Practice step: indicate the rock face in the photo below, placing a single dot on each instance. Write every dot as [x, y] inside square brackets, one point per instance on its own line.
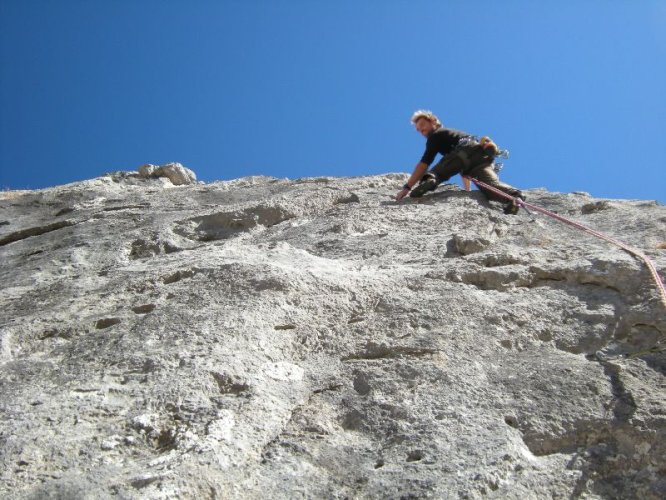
[267, 338]
[175, 172]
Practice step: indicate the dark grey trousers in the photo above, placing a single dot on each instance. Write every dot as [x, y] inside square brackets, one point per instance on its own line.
[476, 163]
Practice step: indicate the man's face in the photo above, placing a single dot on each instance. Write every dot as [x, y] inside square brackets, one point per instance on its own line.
[424, 127]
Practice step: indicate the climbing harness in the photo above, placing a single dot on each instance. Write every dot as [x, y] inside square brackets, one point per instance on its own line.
[485, 141]
[637, 253]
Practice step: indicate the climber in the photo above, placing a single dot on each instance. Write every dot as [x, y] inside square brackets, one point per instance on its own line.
[461, 154]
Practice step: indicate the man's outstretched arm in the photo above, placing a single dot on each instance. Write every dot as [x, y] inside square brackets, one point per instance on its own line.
[419, 170]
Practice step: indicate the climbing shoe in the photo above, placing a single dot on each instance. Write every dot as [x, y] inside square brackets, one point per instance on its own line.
[512, 207]
[429, 183]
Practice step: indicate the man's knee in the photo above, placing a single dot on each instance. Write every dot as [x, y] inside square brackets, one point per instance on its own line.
[447, 167]
[485, 173]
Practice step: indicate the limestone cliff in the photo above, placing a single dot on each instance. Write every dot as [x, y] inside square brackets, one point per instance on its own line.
[311, 338]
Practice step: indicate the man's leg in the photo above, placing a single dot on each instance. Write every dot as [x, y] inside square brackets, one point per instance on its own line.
[487, 175]
[446, 168]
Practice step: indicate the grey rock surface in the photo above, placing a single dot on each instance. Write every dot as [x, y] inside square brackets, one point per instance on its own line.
[268, 338]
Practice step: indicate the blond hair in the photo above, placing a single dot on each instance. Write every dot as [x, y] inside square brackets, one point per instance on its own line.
[428, 115]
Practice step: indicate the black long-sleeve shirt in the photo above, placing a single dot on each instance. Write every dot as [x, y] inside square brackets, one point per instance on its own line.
[441, 141]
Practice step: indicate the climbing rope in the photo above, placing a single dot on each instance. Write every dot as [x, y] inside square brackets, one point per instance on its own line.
[523, 204]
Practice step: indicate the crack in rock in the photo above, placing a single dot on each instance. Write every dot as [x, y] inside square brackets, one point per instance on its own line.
[375, 351]
[34, 231]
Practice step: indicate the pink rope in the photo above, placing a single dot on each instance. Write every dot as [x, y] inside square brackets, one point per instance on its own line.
[578, 225]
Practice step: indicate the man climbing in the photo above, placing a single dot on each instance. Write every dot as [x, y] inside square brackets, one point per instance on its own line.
[461, 154]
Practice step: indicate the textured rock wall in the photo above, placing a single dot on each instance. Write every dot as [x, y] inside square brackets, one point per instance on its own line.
[266, 338]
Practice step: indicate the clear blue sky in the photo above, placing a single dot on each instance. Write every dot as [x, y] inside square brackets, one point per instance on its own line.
[291, 88]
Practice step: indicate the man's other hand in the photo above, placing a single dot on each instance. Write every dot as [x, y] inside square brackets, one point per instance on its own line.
[402, 194]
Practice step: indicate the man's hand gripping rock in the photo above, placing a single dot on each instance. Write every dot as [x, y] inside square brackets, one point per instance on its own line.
[404, 192]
